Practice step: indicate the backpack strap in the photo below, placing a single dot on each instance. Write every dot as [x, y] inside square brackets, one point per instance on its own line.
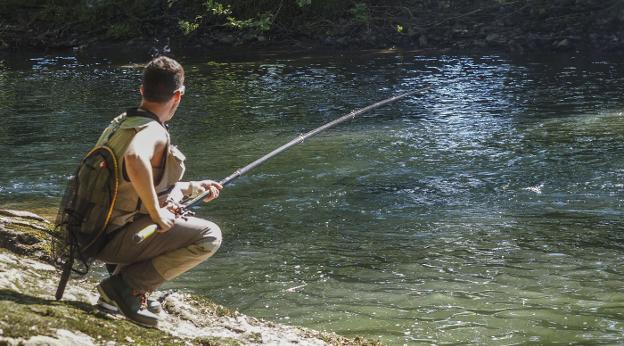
[140, 112]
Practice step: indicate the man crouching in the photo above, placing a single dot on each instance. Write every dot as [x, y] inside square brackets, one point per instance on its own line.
[149, 192]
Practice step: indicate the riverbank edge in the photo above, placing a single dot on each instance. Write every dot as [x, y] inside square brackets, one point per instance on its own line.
[507, 27]
[30, 314]
[222, 44]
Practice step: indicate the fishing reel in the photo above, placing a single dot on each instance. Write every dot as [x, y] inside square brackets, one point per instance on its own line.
[175, 202]
[183, 212]
[179, 209]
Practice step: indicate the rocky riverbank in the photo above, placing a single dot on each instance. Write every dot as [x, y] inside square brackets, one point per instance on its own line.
[29, 314]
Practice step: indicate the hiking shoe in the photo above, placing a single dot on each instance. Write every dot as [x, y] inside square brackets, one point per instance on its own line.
[132, 303]
[153, 305]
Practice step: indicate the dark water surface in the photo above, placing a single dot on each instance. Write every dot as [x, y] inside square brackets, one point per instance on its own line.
[486, 211]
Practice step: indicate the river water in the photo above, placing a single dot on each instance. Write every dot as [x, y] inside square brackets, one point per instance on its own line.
[487, 210]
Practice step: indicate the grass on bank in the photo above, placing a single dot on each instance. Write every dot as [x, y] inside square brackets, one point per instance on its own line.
[25, 316]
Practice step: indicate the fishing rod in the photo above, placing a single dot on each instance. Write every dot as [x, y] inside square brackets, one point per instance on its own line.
[149, 230]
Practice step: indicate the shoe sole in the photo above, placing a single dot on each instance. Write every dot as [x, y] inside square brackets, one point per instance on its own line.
[109, 308]
[155, 311]
[103, 304]
[108, 297]
[114, 310]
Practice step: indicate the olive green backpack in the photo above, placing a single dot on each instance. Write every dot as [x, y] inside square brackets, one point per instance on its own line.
[85, 212]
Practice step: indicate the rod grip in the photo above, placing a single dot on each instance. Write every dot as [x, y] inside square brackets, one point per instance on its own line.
[144, 233]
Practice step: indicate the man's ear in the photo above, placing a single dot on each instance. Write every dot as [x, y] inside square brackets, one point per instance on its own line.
[177, 96]
[141, 89]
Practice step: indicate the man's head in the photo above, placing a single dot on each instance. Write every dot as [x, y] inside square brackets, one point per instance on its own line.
[163, 87]
[162, 77]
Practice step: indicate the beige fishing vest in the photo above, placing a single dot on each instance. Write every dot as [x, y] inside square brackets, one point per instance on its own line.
[117, 136]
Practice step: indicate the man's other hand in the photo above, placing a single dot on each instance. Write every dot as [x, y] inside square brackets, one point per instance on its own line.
[164, 218]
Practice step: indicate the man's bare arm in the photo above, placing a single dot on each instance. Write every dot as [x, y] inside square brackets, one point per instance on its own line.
[145, 145]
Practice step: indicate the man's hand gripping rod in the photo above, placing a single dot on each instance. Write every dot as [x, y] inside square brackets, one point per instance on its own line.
[184, 209]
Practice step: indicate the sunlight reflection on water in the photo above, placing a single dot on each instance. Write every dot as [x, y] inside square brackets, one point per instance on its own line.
[485, 211]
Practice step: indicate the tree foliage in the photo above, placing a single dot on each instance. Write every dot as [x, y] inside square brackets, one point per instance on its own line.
[191, 19]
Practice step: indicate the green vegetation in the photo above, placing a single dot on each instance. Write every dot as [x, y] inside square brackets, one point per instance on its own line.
[25, 313]
[528, 24]
[207, 306]
[30, 316]
[27, 237]
[216, 341]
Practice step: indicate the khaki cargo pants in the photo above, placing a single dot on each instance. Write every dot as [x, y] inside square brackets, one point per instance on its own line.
[163, 256]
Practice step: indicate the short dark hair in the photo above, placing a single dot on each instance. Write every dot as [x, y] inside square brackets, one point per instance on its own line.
[161, 78]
